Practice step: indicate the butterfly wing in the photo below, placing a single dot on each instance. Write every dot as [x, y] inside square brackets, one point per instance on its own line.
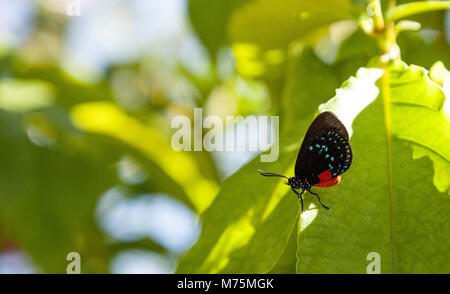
[325, 152]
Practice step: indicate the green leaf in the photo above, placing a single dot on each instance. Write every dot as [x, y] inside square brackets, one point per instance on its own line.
[394, 199]
[309, 82]
[405, 10]
[423, 48]
[210, 19]
[274, 26]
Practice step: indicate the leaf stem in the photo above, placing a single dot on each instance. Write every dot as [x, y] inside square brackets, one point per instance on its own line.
[377, 15]
[384, 32]
[405, 10]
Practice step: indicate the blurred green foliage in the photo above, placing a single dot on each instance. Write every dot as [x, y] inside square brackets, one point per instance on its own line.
[62, 141]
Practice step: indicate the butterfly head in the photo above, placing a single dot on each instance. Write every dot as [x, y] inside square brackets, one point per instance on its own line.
[298, 183]
[295, 183]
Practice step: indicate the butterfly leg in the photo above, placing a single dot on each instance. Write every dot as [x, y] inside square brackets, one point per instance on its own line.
[299, 195]
[319, 199]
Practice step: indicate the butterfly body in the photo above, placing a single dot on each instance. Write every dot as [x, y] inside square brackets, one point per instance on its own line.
[324, 155]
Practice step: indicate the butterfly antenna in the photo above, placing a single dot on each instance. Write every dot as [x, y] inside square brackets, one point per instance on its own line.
[267, 174]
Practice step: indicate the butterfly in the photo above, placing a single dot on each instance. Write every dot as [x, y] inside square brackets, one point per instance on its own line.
[325, 154]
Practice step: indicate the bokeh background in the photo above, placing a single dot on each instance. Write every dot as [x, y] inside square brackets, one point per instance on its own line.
[86, 103]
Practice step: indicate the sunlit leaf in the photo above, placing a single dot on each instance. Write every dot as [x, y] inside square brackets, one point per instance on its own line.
[393, 200]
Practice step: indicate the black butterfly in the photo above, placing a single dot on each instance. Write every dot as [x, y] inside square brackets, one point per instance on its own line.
[324, 155]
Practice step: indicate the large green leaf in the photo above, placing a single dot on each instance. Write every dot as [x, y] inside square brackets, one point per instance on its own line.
[394, 200]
